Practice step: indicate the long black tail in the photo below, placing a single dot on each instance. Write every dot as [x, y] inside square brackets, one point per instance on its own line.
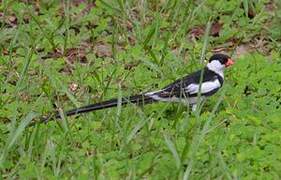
[136, 99]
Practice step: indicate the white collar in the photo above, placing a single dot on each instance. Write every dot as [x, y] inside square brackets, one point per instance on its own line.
[216, 67]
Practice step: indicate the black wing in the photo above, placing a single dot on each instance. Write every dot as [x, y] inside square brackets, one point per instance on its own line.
[178, 90]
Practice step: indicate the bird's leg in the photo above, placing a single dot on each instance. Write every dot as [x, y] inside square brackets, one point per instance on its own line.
[198, 104]
[194, 107]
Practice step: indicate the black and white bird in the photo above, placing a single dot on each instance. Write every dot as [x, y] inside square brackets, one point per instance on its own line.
[184, 90]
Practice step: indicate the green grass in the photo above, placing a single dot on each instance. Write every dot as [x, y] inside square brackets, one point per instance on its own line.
[123, 48]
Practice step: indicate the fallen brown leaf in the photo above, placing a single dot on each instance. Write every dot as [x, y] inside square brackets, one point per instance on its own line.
[215, 29]
[55, 54]
[131, 65]
[74, 54]
[103, 50]
[270, 6]
[196, 32]
[243, 49]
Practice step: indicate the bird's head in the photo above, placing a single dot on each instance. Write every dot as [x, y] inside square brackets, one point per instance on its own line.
[218, 62]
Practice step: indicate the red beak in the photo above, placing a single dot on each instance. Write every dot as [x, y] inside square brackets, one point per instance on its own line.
[229, 62]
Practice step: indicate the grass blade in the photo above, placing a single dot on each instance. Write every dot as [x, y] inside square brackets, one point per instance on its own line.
[173, 150]
[135, 130]
[15, 135]
[25, 68]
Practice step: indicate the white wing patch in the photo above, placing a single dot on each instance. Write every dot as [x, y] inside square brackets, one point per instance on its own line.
[205, 87]
[190, 89]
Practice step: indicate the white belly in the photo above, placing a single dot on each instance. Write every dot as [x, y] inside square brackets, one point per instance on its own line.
[186, 101]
